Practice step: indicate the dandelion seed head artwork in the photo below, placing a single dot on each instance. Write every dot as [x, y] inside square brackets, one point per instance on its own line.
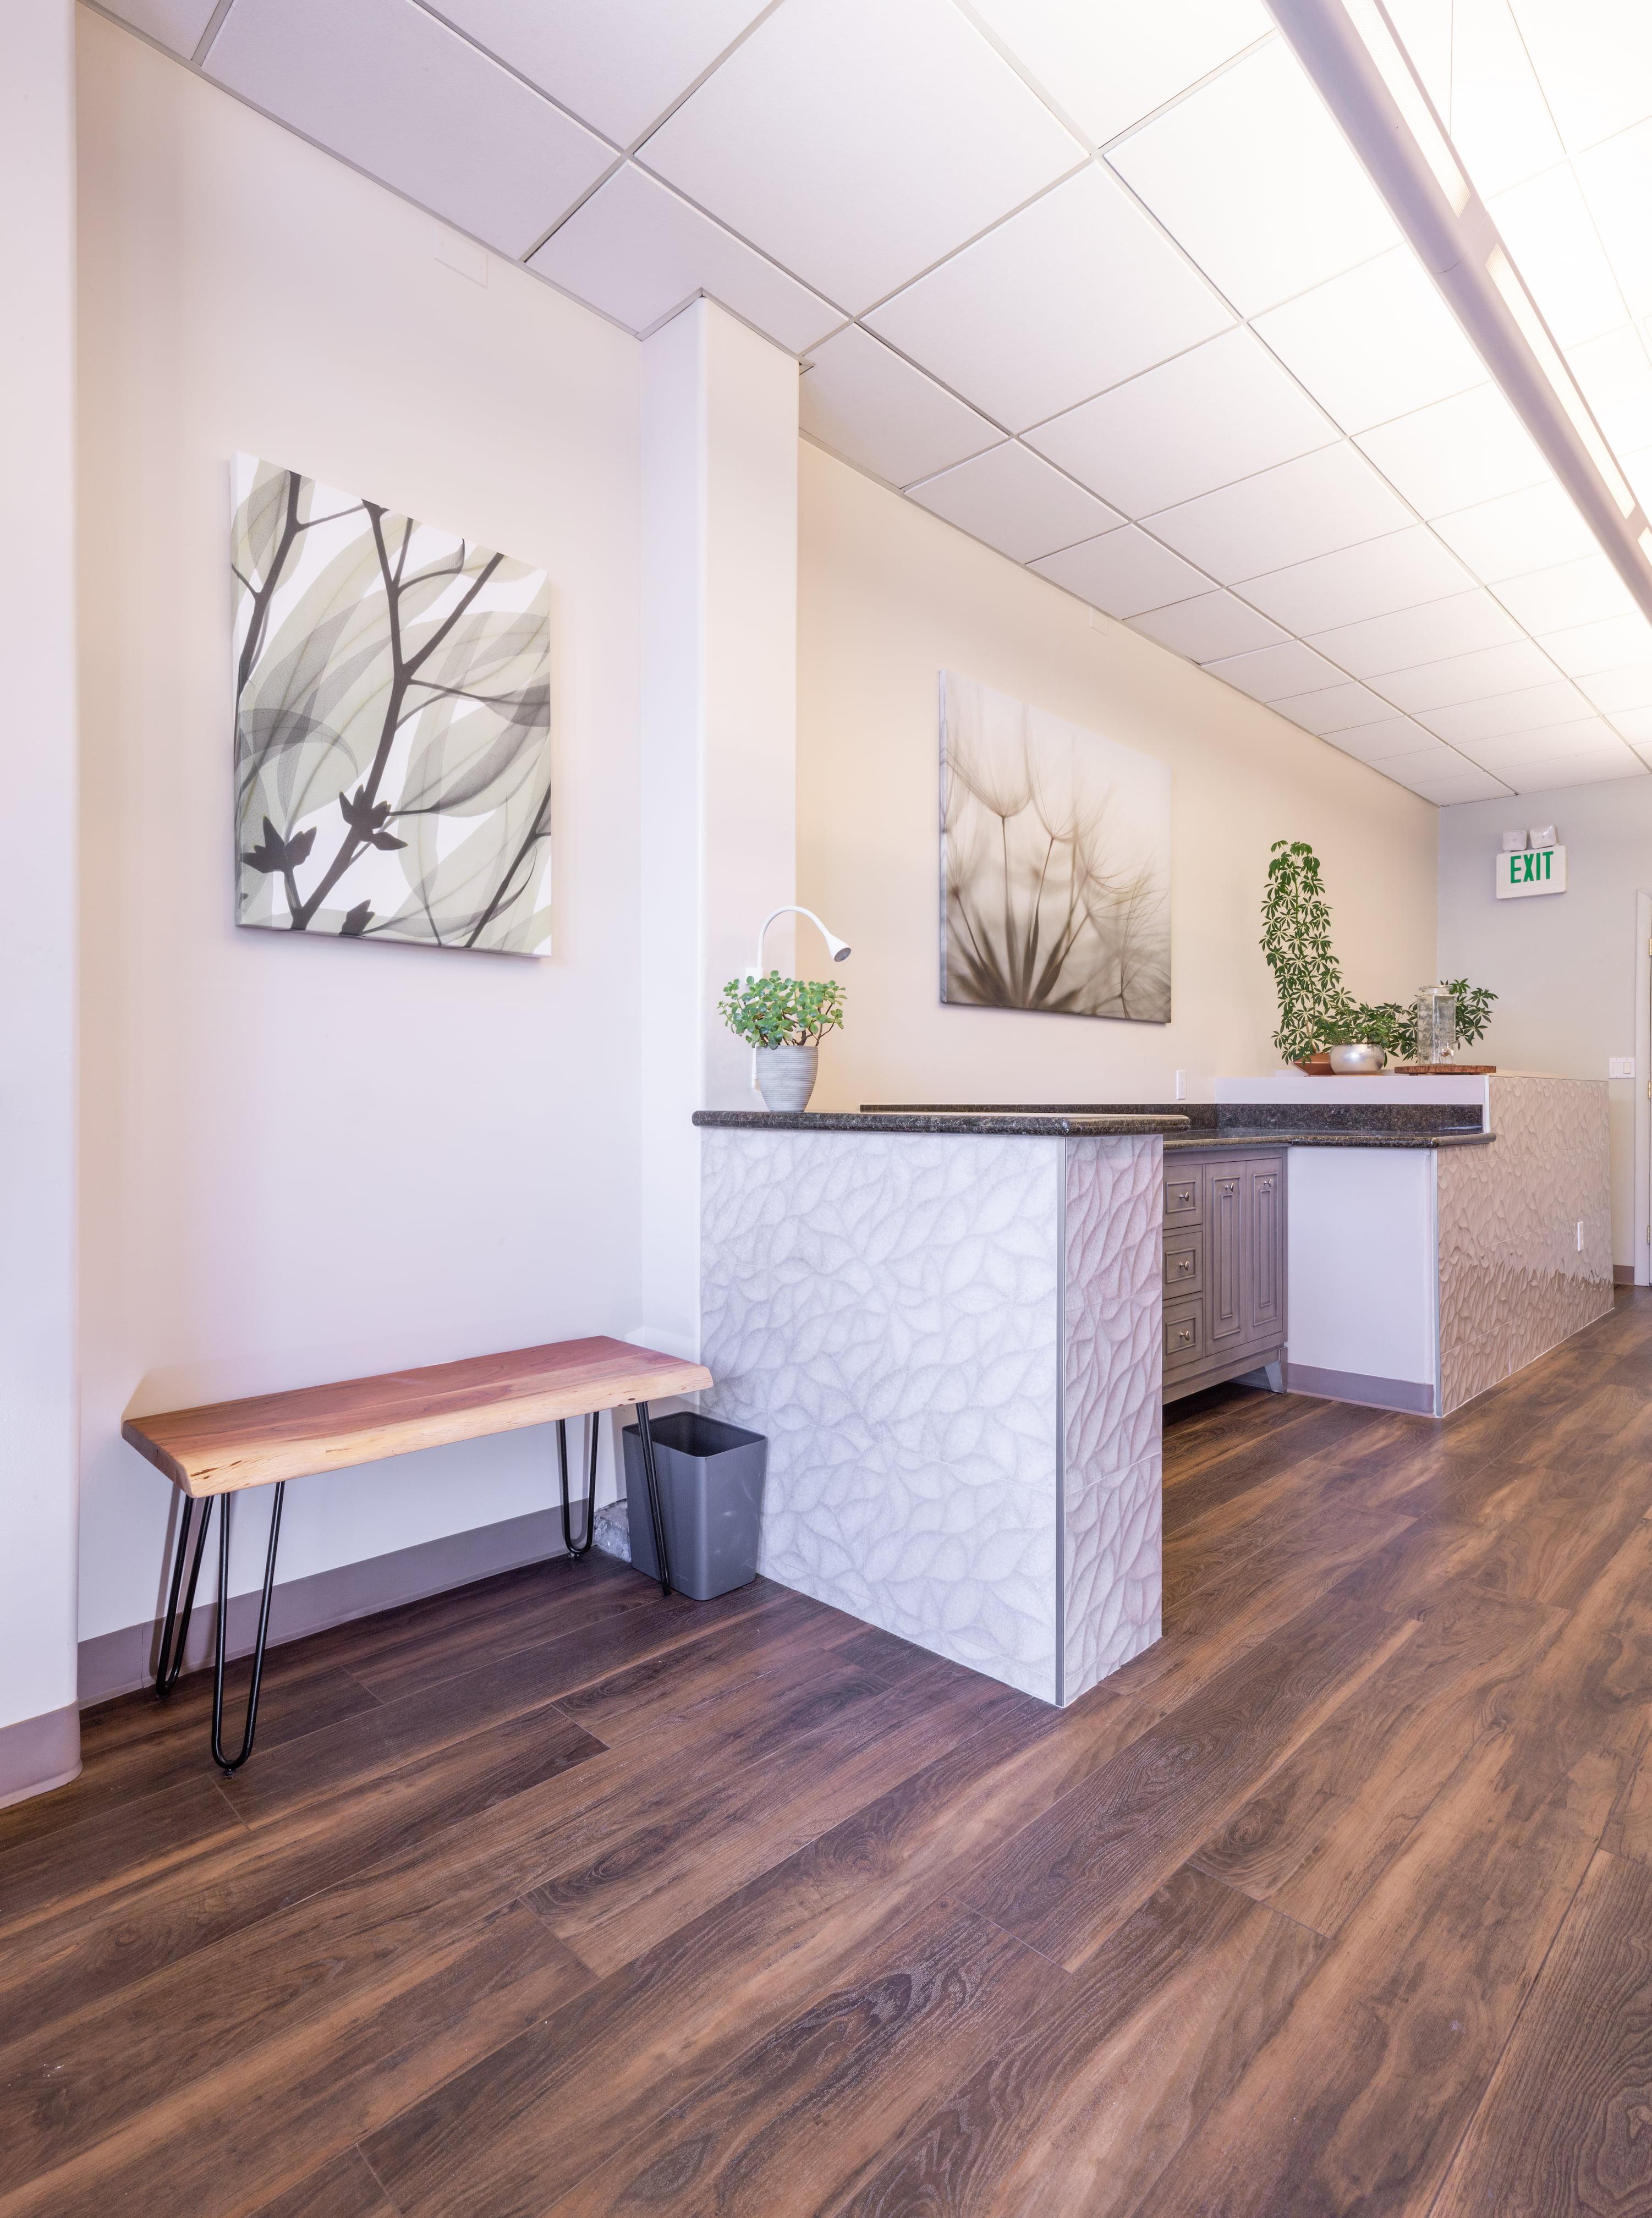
[1055, 864]
[393, 766]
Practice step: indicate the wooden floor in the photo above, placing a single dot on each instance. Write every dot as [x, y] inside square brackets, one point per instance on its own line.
[544, 1896]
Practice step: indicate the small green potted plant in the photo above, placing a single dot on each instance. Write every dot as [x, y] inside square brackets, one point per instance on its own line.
[784, 1020]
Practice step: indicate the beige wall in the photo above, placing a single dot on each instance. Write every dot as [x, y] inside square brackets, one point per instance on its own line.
[1564, 966]
[888, 596]
[306, 1160]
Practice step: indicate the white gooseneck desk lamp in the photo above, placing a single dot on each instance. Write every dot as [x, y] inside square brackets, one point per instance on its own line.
[839, 949]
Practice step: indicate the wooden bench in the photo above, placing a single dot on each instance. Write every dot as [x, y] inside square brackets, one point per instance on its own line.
[220, 1450]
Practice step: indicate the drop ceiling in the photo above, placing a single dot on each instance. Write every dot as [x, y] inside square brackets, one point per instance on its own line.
[1101, 284]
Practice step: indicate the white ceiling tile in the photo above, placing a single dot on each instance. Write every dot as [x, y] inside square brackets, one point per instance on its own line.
[1253, 178]
[1494, 670]
[1591, 741]
[1567, 594]
[637, 251]
[1330, 710]
[878, 412]
[1630, 686]
[1616, 375]
[1455, 787]
[1554, 245]
[1109, 63]
[1077, 292]
[1210, 625]
[1124, 572]
[858, 141]
[1517, 532]
[1455, 626]
[1377, 742]
[1272, 673]
[1634, 725]
[1015, 503]
[1430, 759]
[1221, 412]
[1308, 507]
[1399, 571]
[1553, 774]
[177, 24]
[1374, 343]
[407, 100]
[618, 63]
[1527, 712]
[1594, 63]
[1588, 650]
[1616, 181]
[1460, 452]
[1500, 121]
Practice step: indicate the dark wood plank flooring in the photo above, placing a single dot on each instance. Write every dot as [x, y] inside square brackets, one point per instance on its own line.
[544, 1896]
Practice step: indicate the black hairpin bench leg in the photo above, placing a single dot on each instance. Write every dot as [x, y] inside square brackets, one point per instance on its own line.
[590, 1498]
[646, 1441]
[171, 1661]
[228, 1763]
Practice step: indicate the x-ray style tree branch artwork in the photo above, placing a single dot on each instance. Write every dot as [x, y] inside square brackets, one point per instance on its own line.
[1055, 863]
[393, 760]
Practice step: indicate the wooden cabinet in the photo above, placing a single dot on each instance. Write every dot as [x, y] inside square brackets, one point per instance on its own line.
[1224, 1270]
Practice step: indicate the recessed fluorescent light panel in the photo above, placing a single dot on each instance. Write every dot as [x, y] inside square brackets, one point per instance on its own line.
[1350, 49]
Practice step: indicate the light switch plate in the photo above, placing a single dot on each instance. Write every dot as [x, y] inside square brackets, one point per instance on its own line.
[1621, 1066]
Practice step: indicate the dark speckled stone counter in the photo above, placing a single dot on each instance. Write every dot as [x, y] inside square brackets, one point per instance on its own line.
[1212, 1125]
[1270, 1136]
[1032, 1124]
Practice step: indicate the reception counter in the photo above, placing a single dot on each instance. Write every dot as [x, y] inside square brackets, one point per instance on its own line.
[950, 1326]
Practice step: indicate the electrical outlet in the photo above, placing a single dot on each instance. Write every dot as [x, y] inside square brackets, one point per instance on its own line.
[1579, 1235]
[1181, 1086]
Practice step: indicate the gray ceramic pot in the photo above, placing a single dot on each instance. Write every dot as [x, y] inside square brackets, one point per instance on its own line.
[1358, 1060]
[786, 1078]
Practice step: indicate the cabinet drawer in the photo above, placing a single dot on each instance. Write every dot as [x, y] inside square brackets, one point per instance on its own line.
[1184, 1334]
[1184, 1192]
[1184, 1262]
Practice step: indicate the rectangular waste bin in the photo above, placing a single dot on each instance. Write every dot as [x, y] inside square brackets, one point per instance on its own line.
[710, 1477]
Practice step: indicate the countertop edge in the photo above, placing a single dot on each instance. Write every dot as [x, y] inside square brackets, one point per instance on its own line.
[1037, 1128]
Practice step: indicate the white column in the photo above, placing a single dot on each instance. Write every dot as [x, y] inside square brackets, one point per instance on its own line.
[40, 1737]
[719, 748]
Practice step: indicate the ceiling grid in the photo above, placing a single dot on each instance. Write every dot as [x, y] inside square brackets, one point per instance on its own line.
[1105, 287]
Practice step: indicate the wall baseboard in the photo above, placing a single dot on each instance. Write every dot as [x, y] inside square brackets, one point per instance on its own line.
[1622, 1274]
[116, 1663]
[1416, 1395]
[37, 1754]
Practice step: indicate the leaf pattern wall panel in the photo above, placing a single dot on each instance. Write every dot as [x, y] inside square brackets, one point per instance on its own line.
[1512, 1282]
[884, 1307]
[392, 761]
[1113, 1360]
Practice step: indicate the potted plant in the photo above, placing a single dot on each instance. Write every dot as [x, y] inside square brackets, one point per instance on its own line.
[1296, 941]
[784, 1020]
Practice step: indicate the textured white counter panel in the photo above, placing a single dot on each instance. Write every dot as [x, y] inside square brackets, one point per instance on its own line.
[953, 1344]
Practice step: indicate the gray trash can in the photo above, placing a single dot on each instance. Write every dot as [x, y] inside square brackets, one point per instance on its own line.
[710, 1479]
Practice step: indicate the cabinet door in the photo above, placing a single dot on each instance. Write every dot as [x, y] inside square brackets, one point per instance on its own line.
[1264, 1279]
[1224, 1254]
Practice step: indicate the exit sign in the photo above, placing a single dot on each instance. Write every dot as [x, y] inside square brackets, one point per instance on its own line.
[1531, 870]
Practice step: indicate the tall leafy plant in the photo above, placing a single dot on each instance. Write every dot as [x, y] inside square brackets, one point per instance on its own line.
[773, 1011]
[1296, 941]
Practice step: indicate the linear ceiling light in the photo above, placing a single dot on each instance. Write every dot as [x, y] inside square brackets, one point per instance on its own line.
[1350, 49]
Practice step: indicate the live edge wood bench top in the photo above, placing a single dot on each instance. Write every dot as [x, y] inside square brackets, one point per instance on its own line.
[231, 1444]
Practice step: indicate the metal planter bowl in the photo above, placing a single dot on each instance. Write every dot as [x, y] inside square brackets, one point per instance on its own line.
[1360, 1059]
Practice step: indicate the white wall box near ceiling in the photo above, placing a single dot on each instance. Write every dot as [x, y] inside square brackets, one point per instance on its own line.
[1531, 870]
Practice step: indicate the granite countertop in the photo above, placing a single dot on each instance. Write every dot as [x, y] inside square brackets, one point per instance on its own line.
[1271, 1135]
[1030, 1124]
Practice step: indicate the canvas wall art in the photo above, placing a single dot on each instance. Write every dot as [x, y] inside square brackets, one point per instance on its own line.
[392, 761]
[1055, 864]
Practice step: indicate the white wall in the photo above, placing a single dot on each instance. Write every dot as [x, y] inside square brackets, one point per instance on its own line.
[37, 888]
[1564, 965]
[888, 596]
[307, 1160]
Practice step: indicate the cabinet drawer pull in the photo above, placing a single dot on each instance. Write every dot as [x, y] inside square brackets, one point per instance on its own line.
[1183, 1264]
[1184, 1335]
[1266, 1185]
[1184, 1196]
[1227, 1186]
